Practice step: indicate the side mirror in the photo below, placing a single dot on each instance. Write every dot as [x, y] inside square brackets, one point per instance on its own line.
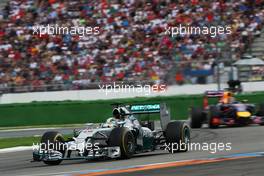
[76, 132]
[244, 101]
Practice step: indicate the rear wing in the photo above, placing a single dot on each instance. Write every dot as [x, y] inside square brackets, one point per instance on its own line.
[151, 109]
[211, 94]
[145, 109]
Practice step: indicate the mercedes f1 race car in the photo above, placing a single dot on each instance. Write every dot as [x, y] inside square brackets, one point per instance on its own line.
[227, 112]
[121, 136]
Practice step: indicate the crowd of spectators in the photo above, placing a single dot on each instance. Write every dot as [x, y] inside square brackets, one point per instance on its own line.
[131, 45]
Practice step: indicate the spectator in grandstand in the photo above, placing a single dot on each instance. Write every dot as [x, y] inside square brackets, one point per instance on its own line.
[131, 45]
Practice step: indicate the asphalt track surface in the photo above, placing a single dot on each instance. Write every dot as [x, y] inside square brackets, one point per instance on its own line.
[241, 167]
[244, 140]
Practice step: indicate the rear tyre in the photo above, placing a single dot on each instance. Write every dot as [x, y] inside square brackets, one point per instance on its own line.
[197, 117]
[261, 110]
[177, 135]
[213, 114]
[53, 140]
[123, 138]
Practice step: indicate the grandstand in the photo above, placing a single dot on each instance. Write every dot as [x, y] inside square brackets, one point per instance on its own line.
[131, 46]
[257, 48]
[3, 3]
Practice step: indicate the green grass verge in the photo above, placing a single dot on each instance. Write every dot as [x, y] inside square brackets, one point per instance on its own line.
[14, 142]
[22, 141]
[64, 126]
[72, 112]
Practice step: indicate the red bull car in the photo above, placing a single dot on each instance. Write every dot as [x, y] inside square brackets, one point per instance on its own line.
[227, 111]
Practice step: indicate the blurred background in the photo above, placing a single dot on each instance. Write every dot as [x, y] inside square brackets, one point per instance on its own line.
[131, 46]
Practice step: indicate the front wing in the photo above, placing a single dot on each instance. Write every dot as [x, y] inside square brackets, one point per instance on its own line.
[52, 155]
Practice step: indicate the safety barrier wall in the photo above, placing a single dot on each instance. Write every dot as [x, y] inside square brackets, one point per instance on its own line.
[69, 112]
[100, 95]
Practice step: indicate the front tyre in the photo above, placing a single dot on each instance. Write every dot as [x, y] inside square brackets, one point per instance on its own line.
[177, 135]
[123, 138]
[196, 117]
[53, 140]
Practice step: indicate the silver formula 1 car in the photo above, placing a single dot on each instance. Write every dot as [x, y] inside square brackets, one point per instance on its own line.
[117, 138]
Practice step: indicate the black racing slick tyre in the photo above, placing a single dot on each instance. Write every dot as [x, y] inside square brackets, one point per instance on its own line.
[197, 117]
[177, 135]
[261, 110]
[53, 140]
[123, 138]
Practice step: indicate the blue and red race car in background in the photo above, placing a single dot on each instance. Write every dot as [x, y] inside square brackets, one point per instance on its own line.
[227, 112]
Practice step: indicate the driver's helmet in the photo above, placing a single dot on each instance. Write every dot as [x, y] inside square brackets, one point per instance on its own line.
[118, 113]
[226, 98]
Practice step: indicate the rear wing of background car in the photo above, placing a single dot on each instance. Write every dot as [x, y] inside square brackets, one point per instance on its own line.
[211, 94]
[214, 93]
[151, 109]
